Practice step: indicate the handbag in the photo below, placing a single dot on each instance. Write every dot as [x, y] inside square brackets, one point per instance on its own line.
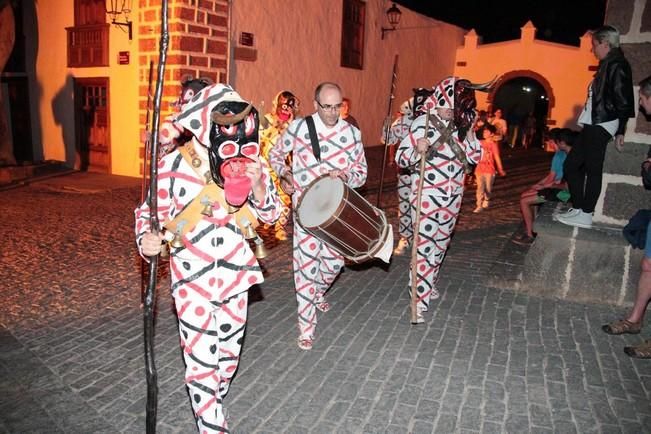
[635, 230]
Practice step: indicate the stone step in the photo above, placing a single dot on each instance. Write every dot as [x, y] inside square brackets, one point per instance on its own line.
[18, 174]
[585, 265]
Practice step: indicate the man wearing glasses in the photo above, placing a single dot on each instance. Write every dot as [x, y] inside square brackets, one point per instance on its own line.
[338, 152]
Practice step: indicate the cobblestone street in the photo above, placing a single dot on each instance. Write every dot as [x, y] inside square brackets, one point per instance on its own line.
[485, 361]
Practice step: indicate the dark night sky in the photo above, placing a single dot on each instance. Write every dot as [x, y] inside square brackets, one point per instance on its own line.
[562, 21]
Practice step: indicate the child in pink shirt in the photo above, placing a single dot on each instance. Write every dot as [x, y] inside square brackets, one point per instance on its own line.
[486, 169]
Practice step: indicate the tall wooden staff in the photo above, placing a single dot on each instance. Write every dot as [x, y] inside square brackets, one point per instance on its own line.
[150, 294]
[387, 124]
[414, 246]
[145, 168]
[143, 187]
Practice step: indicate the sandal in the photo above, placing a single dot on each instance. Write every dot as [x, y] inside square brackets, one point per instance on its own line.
[305, 343]
[323, 306]
[524, 239]
[622, 326]
[640, 351]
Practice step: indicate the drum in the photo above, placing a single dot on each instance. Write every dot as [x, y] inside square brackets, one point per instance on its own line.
[339, 216]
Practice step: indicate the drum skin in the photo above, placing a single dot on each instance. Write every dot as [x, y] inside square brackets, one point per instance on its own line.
[355, 228]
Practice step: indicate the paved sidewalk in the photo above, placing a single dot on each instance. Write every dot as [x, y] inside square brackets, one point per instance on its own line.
[485, 361]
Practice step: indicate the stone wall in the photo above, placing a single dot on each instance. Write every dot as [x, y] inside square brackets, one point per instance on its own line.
[622, 192]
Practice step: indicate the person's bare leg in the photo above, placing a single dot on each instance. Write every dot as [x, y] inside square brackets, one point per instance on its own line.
[526, 207]
[643, 293]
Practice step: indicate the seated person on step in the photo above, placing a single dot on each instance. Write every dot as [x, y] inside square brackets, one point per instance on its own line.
[548, 188]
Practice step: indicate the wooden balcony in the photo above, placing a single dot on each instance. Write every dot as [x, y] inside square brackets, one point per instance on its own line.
[88, 45]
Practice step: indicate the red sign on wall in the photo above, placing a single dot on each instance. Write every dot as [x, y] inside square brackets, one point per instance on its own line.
[123, 57]
[246, 39]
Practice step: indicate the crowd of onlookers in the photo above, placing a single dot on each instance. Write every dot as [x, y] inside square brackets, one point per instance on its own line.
[568, 181]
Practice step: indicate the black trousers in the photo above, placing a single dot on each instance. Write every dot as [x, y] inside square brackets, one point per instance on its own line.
[583, 167]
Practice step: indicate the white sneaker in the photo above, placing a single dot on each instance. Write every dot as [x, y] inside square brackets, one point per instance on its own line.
[477, 210]
[581, 219]
[402, 246]
[569, 213]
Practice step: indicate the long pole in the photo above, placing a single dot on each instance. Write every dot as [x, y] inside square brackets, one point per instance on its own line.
[150, 294]
[145, 171]
[414, 246]
[387, 122]
[145, 168]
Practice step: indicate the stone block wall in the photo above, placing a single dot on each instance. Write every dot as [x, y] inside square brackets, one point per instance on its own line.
[622, 192]
[583, 265]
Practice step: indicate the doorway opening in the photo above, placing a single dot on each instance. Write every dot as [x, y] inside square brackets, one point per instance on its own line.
[92, 140]
[525, 104]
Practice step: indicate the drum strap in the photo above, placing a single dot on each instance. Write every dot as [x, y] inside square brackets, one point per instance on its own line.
[314, 139]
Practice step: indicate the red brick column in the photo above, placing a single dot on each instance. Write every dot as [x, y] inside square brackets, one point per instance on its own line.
[198, 31]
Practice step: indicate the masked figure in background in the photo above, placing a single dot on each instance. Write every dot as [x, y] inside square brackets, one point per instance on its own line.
[409, 110]
[172, 134]
[449, 149]
[211, 191]
[284, 110]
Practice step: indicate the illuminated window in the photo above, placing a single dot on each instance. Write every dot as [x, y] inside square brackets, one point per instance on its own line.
[352, 34]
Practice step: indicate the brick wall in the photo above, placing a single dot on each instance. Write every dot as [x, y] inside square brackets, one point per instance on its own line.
[197, 46]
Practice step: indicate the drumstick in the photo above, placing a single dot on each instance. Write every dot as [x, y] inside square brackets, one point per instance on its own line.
[414, 245]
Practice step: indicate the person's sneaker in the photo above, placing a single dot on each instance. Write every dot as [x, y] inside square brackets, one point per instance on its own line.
[484, 205]
[569, 213]
[477, 210]
[580, 219]
[402, 247]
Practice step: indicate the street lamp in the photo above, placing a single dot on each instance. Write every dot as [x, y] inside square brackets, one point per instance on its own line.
[115, 13]
[393, 15]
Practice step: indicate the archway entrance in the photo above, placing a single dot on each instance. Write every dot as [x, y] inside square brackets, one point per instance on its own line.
[525, 104]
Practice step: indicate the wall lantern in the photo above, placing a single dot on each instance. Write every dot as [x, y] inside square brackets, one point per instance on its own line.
[393, 16]
[124, 9]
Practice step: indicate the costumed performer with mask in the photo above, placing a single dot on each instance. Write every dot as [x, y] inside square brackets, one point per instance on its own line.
[409, 110]
[273, 124]
[450, 148]
[209, 192]
[172, 134]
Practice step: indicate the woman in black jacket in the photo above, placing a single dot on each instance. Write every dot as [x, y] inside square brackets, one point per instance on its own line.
[608, 106]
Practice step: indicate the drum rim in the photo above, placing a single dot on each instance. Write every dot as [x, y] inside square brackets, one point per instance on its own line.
[334, 215]
[383, 236]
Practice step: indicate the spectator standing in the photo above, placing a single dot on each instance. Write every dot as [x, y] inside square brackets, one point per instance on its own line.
[529, 131]
[500, 125]
[608, 106]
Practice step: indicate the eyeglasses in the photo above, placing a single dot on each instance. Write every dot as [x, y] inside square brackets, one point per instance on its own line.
[330, 107]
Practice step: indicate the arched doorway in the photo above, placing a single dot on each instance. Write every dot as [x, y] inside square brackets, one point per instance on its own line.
[525, 99]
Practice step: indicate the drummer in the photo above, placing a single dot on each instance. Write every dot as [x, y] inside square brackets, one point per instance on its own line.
[333, 148]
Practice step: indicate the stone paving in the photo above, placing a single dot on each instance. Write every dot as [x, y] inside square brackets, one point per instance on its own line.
[485, 361]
